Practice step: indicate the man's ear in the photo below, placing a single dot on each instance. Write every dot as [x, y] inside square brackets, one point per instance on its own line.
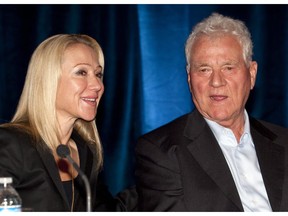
[253, 73]
[188, 77]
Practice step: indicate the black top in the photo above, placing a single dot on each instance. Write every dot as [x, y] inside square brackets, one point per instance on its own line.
[68, 190]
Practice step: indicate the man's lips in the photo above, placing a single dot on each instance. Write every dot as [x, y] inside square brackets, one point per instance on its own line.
[218, 97]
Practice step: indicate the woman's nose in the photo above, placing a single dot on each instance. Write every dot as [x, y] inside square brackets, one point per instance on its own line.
[96, 83]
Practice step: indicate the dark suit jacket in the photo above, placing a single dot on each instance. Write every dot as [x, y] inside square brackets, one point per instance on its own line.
[180, 167]
[36, 177]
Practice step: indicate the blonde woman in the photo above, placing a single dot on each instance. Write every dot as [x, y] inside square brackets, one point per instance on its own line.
[58, 105]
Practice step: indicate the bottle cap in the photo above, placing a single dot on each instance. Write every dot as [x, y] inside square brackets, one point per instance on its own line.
[5, 180]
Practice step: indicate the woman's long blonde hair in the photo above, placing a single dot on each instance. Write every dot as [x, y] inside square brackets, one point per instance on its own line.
[36, 111]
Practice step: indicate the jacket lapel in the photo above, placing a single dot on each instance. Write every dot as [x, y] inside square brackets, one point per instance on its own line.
[271, 157]
[86, 153]
[205, 149]
[52, 169]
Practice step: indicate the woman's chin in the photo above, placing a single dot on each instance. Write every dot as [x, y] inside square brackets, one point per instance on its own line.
[88, 117]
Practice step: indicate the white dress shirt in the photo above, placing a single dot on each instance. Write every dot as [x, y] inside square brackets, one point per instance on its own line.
[243, 163]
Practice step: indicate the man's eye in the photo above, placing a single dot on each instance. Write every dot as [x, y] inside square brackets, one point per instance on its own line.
[228, 68]
[204, 70]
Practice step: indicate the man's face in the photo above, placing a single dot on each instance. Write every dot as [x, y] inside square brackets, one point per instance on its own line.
[219, 79]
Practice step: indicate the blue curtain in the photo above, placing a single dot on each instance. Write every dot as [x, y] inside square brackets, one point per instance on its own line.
[145, 78]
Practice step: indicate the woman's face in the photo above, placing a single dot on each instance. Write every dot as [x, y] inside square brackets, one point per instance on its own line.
[80, 86]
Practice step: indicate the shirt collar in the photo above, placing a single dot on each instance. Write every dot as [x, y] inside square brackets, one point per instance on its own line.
[220, 131]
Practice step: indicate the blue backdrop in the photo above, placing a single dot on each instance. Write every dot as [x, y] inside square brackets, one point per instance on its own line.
[145, 77]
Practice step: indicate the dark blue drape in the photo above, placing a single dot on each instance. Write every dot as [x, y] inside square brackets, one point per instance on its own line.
[145, 78]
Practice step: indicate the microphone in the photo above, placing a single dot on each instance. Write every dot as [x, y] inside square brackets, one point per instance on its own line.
[64, 152]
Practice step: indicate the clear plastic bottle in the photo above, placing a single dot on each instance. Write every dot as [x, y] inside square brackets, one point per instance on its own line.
[10, 200]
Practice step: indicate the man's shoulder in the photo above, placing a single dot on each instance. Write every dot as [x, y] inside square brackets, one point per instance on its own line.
[265, 125]
[272, 131]
[159, 145]
[165, 137]
[174, 126]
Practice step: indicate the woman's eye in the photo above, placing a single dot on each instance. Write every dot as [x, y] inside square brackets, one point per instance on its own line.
[99, 75]
[81, 72]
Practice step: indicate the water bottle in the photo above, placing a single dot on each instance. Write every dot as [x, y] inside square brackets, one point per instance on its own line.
[10, 200]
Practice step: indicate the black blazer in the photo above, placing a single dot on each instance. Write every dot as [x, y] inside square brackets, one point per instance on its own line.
[36, 177]
[180, 167]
